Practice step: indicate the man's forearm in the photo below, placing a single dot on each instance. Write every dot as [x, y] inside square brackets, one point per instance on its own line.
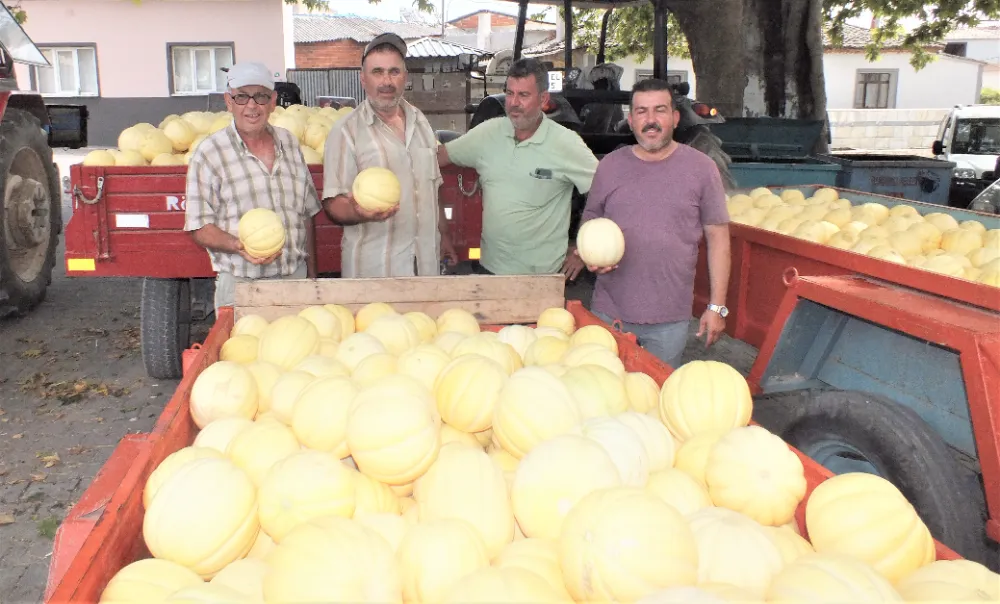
[718, 266]
[339, 210]
[213, 238]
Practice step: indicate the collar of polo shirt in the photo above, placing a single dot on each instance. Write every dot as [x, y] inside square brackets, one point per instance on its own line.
[279, 148]
[537, 138]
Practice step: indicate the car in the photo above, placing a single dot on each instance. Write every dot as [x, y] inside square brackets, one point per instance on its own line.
[969, 136]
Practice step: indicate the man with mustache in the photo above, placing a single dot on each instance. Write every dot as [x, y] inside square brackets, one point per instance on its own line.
[388, 132]
[245, 166]
[528, 166]
[664, 196]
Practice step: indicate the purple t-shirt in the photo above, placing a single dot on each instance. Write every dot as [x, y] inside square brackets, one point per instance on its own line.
[661, 207]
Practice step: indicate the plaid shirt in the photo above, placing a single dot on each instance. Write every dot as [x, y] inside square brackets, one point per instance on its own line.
[225, 180]
[408, 243]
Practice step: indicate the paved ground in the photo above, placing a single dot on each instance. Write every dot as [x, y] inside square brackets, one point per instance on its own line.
[72, 385]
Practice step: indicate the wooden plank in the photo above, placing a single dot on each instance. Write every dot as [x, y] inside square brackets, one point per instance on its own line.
[501, 299]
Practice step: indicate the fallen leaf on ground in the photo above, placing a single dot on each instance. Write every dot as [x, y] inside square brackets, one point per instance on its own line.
[18, 436]
[38, 477]
[6, 519]
[2, 412]
[50, 460]
[32, 353]
[4, 472]
[77, 450]
[11, 483]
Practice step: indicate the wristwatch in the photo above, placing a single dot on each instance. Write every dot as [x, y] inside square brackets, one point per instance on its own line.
[722, 310]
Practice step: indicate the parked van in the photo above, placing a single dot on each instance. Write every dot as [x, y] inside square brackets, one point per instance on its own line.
[970, 137]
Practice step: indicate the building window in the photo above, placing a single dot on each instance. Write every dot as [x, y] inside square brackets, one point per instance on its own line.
[673, 76]
[72, 71]
[957, 49]
[197, 69]
[875, 90]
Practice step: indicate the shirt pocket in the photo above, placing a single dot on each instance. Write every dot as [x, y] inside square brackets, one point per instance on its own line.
[425, 166]
[543, 186]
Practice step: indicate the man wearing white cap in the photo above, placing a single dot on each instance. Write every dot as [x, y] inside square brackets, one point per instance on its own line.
[388, 132]
[249, 165]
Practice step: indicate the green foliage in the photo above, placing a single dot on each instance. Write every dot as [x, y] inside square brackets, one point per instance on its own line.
[630, 32]
[539, 16]
[426, 6]
[15, 9]
[989, 96]
[937, 21]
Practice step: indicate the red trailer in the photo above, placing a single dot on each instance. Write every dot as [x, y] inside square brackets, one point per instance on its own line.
[866, 365]
[128, 222]
[103, 531]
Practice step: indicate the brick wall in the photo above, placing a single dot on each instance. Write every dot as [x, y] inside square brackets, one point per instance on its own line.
[339, 53]
[472, 21]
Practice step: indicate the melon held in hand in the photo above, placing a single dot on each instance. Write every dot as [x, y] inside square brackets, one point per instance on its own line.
[261, 233]
[600, 243]
[376, 189]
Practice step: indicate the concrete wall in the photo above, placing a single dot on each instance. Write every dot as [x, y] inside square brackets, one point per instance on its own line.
[884, 129]
[945, 82]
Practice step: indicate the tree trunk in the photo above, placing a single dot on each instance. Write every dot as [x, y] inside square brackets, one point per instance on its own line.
[757, 57]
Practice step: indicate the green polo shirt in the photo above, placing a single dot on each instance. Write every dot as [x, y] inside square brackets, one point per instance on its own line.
[527, 191]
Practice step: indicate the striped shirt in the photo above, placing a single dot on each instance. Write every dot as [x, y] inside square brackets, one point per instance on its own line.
[225, 180]
[408, 243]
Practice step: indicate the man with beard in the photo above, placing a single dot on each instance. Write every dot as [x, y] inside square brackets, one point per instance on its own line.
[388, 132]
[245, 166]
[664, 196]
[528, 166]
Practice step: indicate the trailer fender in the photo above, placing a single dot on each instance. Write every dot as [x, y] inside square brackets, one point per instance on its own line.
[849, 431]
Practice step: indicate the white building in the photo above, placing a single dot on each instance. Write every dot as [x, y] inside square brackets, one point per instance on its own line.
[981, 43]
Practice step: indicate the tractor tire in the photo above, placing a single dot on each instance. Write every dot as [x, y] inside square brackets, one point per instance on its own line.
[848, 431]
[703, 140]
[30, 213]
[165, 325]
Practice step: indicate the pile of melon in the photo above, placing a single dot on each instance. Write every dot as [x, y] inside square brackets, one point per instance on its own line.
[173, 141]
[388, 457]
[901, 234]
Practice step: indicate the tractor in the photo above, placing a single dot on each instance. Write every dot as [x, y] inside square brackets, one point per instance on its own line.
[30, 206]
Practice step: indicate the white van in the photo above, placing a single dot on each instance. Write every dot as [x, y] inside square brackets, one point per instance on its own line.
[970, 137]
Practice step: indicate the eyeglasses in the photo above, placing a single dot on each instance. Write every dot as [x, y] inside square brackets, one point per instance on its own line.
[261, 98]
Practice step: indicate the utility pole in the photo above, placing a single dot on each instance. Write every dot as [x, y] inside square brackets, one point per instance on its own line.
[442, 18]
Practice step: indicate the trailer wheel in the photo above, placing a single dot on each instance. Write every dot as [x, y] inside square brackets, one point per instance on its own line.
[165, 318]
[703, 140]
[30, 213]
[848, 431]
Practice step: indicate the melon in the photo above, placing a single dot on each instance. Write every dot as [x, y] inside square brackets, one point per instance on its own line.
[395, 332]
[594, 334]
[301, 487]
[288, 340]
[219, 433]
[752, 471]
[735, 550]
[623, 446]
[600, 243]
[376, 189]
[393, 430]
[169, 466]
[423, 363]
[224, 389]
[553, 477]
[558, 318]
[467, 390]
[654, 437]
[245, 577]
[951, 581]
[261, 446]
[391, 527]
[692, 455]
[830, 578]
[790, 544]
[434, 555]
[464, 484]
[345, 316]
[261, 232]
[374, 497]
[356, 347]
[457, 320]
[684, 493]
[704, 396]
[203, 517]
[596, 390]
[620, 544]
[508, 585]
[326, 323]
[538, 556]
[373, 368]
[546, 350]
[426, 326]
[944, 222]
[149, 580]
[249, 324]
[961, 241]
[594, 354]
[332, 559]
[642, 391]
[867, 517]
[285, 393]
[488, 345]
[533, 406]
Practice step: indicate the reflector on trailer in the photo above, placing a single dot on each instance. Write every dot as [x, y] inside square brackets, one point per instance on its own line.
[80, 264]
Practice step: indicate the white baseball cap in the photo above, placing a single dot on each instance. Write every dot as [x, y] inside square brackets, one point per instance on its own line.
[250, 74]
